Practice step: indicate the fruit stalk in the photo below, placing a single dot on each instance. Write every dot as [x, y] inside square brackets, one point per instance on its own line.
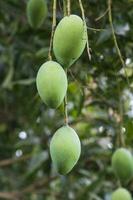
[53, 29]
[64, 8]
[116, 43]
[68, 7]
[67, 11]
[83, 16]
[120, 134]
[65, 106]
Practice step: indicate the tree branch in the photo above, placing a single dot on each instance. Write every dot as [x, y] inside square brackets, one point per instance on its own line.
[17, 195]
[10, 161]
[115, 41]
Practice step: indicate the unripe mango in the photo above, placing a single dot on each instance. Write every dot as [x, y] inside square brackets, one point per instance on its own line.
[122, 163]
[121, 194]
[36, 12]
[69, 40]
[65, 149]
[51, 83]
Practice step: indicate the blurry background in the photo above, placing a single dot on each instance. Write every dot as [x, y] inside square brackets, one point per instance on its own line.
[100, 104]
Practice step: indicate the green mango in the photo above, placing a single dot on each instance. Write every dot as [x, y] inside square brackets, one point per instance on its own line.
[51, 83]
[121, 194]
[69, 40]
[122, 163]
[36, 12]
[65, 149]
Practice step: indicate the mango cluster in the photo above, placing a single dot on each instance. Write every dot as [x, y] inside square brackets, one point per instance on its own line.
[122, 164]
[69, 42]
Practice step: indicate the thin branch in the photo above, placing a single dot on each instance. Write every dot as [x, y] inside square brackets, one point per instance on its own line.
[7, 162]
[53, 29]
[95, 29]
[67, 11]
[37, 185]
[60, 5]
[115, 41]
[33, 188]
[83, 16]
[78, 83]
[121, 139]
[120, 134]
[8, 195]
[65, 107]
[68, 7]
[101, 16]
[64, 8]
[65, 110]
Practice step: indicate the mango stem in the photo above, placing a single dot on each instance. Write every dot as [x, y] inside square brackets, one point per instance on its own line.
[53, 30]
[83, 16]
[68, 7]
[65, 107]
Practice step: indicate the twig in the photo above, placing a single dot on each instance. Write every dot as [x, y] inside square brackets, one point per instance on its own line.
[68, 7]
[120, 134]
[38, 184]
[78, 83]
[64, 8]
[60, 5]
[115, 41]
[8, 195]
[10, 161]
[53, 29]
[95, 29]
[121, 139]
[67, 11]
[83, 16]
[65, 110]
[17, 195]
[101, 16]
[65, 107]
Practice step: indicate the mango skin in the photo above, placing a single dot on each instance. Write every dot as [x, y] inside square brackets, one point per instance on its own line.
[69, 40]
[36, 12]
[121, 194]
[51, 83]
[65, 149]
[122, 163]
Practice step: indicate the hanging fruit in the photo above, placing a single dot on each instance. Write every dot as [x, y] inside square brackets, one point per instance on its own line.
[121, 194]
[122, 163]
[69, 40]
[36, 12]
[65, 149]
[51, 84]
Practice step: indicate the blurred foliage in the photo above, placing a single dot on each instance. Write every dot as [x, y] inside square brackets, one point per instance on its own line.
[97, 93]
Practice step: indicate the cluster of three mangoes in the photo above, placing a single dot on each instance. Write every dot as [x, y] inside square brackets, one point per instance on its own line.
[68, 44]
